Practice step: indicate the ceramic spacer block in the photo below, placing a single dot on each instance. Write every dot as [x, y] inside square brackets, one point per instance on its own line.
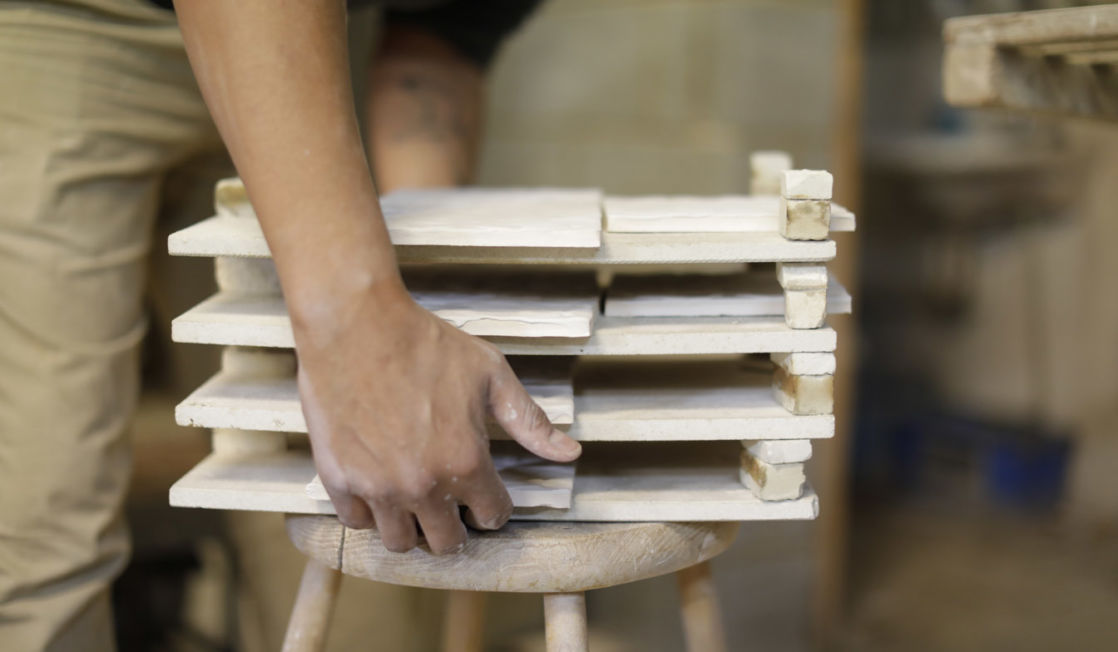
[231, 199]
[805, 364]
[252, 361]
[804, 219]
[779, 451]
[772, 481]
[804, 395]
[802, 276]
[766, 169]
[246, 443]
[250, 275]
[805, 308]
[806, 184]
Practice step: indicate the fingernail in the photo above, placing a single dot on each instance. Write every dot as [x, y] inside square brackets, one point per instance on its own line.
[563, 443]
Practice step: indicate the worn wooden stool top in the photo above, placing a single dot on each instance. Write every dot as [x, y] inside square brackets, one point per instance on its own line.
[522, 557]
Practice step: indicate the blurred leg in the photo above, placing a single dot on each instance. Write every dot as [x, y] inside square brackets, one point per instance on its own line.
[464, 624]
[565, 622]
[93, 112]
[310, 617]
[425, 109]
[702, 618]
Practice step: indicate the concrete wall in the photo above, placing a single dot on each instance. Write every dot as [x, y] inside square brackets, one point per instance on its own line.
[645, 96]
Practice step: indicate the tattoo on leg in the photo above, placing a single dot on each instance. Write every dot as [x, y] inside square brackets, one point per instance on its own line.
[434, 114]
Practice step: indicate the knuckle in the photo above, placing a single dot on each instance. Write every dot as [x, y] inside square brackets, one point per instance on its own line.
[417, 486]
[492, 352]
[361, 485]
[535, 418]
[465, 464]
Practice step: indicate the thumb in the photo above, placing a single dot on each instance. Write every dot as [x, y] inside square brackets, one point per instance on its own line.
[524, 421]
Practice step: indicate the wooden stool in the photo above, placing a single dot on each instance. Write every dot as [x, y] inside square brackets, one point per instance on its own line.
[559, 560]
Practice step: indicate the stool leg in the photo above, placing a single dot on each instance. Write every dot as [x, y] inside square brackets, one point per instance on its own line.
[464, 624]
[702, 618]
[564, 616]
[306, 631]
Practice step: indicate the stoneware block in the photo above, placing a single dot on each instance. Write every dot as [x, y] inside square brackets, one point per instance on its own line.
[804, 394]
[789, 451]
[805, 364]
[231, 199]
[772, 481]
[248, 275]
[766, 169]
[246, 443]
[806, 184]
[804, 219]
[252, 361]
[805, 308]
[801, 276]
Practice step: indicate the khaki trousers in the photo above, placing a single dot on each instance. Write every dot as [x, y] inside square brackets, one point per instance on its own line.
[97, 105]
[99, 116]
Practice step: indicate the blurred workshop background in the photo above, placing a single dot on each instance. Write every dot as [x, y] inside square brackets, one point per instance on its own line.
[970, 500]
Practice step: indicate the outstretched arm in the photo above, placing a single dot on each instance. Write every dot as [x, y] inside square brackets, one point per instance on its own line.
[395, 399]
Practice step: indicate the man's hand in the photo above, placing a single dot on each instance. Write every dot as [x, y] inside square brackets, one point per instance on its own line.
[396, 402]
[395, 399]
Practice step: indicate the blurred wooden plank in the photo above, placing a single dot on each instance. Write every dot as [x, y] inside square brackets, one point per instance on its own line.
[830, 466]
[1036, 27]
[1050, 62]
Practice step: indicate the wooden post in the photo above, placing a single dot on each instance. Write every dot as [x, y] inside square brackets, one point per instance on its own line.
[702, 616]
[464, 623]
[564, 617]
[310, 617]
[832, 459]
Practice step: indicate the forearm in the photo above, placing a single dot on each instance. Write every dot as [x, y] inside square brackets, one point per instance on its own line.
[275, 77]
[424, 106]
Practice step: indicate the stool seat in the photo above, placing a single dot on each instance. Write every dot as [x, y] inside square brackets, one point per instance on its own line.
[522, 557]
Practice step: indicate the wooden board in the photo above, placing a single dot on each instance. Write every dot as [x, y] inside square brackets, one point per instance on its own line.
[241, 237]
[1036, 28]
[1057, 62]
[231, 319]
[613, 482]
[248, 402]
[690, 214]
[692, 402]
[472, 217]
[751, 294]
[530, 480]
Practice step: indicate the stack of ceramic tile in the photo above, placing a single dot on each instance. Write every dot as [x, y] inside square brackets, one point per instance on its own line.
[695, 365]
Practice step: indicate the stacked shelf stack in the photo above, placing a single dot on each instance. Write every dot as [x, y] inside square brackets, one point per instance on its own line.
[683, 340]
